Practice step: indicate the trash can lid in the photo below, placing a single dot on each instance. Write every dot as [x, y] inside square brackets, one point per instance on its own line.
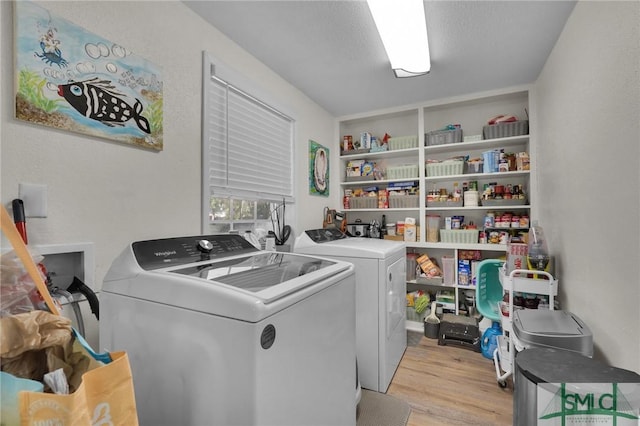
[554, 329]
[549, 365]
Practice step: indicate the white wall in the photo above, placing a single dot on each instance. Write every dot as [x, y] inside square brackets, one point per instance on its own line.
[588, 136]
[111, 194]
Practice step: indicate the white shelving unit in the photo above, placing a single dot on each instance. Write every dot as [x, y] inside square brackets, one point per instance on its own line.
[472, 113]
[517, 282]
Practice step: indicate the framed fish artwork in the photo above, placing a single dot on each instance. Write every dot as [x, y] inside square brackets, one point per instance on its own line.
[318, 169]
[74, 80]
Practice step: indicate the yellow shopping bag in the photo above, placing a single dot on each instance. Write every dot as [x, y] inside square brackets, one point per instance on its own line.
[104, 398]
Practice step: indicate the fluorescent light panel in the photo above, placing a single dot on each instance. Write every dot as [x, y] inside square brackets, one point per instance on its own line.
[403, 29]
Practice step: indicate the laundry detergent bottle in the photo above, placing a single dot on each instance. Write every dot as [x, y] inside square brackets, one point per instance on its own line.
[490, 340]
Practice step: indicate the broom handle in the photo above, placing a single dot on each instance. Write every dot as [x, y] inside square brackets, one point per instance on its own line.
[10, 231]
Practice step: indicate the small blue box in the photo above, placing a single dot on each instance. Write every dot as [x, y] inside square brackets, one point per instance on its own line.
[464, 272]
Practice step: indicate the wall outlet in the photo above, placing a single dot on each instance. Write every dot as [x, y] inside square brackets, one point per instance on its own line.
[34, 197]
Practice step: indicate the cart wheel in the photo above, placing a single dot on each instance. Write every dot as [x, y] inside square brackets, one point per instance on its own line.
[502, 383]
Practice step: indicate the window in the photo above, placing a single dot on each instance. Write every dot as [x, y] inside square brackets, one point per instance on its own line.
[247, 156]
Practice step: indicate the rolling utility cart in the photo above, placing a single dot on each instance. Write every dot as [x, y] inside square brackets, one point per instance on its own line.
[518, 281]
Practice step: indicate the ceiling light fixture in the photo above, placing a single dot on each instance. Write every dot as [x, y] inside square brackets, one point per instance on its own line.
[403, 29]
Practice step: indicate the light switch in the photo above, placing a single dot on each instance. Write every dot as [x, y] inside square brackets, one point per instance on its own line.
[34, 197]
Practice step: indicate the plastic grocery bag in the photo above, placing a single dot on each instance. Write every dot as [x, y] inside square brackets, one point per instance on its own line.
[17, 290]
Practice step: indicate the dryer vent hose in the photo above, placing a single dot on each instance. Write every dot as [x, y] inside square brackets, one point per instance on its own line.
[77, 286]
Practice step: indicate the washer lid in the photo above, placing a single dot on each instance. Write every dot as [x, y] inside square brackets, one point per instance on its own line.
[349, 247]
[255, 273]
[248, 288]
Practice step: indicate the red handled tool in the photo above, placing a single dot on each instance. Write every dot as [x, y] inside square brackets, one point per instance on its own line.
[19, 218]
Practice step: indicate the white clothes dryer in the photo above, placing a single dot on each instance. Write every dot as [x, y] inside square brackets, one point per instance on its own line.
[381, 289]
[220, 333]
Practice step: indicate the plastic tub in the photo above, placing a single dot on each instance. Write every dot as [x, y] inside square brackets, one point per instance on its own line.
[448, 270]
[433, 224]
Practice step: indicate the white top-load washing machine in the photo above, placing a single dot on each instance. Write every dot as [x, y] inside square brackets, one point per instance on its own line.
[381, 291]
[220, 333]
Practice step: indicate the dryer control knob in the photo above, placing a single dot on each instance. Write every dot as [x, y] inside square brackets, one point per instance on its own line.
[205, 246]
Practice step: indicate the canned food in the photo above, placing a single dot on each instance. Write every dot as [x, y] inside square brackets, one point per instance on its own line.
[515, 221]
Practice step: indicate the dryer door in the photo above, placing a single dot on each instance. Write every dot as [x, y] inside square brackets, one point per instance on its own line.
[396, 292]
[393, 336]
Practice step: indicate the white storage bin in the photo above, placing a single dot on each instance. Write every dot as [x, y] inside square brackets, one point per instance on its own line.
[403, 142]
[459, 236]
[445, 168]
[403, 201]
[363, 202]
[409, 171]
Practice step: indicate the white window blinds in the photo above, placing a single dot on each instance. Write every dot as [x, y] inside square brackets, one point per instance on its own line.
[247, 144]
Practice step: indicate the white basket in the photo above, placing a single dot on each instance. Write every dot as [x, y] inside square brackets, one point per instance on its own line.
[403, 201]
[403, 142]
[363, 202]
[459, 236]
[445, 168]
[409, 171]
[442, 137]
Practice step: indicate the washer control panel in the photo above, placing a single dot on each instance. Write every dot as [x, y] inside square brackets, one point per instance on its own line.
[325, 235]
[154, 254]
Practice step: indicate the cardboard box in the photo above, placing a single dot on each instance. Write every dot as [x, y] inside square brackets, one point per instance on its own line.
[428, 267]
[464, 272]
[410, 229]
[365, 140]
[516, 256]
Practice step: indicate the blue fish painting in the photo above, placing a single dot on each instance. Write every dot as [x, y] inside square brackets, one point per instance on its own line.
[98, 100]
[71, 79]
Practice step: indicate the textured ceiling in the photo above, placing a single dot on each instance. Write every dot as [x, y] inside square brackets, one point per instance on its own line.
[331, 51]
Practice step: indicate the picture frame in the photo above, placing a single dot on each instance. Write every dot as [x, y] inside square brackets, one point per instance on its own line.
[319, 170]
[69, 78]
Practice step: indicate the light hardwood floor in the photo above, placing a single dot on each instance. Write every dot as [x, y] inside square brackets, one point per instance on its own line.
[450, 385]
